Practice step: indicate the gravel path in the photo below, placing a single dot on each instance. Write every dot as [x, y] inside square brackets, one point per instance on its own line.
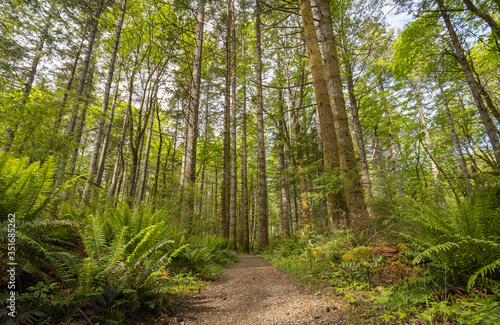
[254, 292]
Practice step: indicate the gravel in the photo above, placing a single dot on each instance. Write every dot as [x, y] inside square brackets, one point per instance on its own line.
[254, 292]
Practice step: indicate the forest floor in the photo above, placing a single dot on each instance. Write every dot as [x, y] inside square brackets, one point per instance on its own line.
[252, 291]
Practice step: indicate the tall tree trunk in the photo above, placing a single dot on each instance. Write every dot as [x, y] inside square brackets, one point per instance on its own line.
[434, 169]
[304, 204]
[348, 166]
[330, 150]
[356, 122]
[30, 78]
[119, 150]
[86, 62]
[232, 207]
[244, 231]
[392, 141]
[70, 81]
[291, 107]
[226, 148]
[81, 123]
[261, 149]
[456, 142]
[188, 173]
[142, 187]
[476, 93]
[205, 138]
[81, 84]
[105, 144]
[104, 107]
[284, 197]
[377, 156]
[154, 191]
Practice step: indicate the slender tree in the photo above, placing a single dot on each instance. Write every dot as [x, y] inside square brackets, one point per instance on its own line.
[104, 107]
[261, 149]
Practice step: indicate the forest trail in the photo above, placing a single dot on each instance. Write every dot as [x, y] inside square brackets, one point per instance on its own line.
[252, 291]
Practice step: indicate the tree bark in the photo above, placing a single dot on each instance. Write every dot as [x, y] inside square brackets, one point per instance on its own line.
[81, 123]
[188, 168]
[244, 231]
[86, 62]
[158, 162]
[30, 78]
[434, 169]
[476, 93]
[284, 197]
[105, 144]
[119, 150]
[142, 187]
[348, 166]
[456, 142]
[484, 16]
[392, 141]
[328, 133]
[226, 149]
[70, 81]
[358, 132]
[232, 206]
[261, 149]
[104, 107]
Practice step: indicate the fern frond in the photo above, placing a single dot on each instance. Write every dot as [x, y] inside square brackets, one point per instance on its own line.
[490, 268]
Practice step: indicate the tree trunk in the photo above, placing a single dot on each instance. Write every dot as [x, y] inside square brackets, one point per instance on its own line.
[330, 150]
[232, 207]
[86, 62]
[348, 166]
[356, 122]
[392, 141]
[484, 16]
[83, 76]
[244, 231]
[205, 138]
[119, 150]
[81, 123]
[226, 149]
[434, 169]
[458, 148]
[70, 81]
[284, 197]
[261, 149]
[142, 187]
[158, 161]
[104, 151]
[104, 107]
[476, 93]
[30, 78]
[306, 213]
[188, 173]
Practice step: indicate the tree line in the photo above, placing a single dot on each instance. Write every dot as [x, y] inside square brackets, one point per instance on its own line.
[251, 119]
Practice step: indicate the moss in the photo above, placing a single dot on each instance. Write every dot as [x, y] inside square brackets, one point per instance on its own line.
[403, 248]
[357, 253]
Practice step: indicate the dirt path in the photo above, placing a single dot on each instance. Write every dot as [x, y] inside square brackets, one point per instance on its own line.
[254, 292]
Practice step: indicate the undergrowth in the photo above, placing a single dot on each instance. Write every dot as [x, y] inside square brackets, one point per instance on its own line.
[104, 263]
[443, 270]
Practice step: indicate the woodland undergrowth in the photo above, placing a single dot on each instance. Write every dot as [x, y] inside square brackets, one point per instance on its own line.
[105, 264]
[440, 265]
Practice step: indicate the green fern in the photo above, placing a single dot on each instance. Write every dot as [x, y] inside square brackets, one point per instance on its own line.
[463, 241]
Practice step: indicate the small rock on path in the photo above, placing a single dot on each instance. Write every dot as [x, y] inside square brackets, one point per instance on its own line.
[252, 291]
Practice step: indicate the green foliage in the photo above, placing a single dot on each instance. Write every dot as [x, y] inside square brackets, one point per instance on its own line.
[124, 259]
[26, 192]
[461, 242]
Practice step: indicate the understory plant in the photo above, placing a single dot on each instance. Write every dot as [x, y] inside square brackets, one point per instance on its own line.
[103, 263]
